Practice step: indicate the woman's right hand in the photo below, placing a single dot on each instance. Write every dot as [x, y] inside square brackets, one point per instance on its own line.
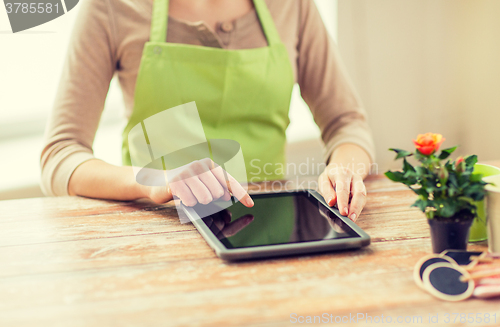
[201, 181]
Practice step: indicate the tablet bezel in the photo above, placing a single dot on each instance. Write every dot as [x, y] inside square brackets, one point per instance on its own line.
[264, 251]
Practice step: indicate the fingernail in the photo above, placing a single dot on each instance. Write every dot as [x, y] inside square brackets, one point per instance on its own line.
[345, 211]
[250, 202]
[329, 201]
[353, 217]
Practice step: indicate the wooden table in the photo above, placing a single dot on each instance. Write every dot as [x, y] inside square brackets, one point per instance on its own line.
[73, 261]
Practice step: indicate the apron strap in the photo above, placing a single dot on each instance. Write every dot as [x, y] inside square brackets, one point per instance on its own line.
[267, 23]
[159, 22]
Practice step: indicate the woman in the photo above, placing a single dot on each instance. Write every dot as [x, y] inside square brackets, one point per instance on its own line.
[247, 53]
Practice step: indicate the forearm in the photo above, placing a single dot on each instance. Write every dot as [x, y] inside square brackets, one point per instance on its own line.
[98, 179]
[353, 157]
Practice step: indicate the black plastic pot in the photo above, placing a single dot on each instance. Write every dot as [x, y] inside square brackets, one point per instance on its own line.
[449, 234]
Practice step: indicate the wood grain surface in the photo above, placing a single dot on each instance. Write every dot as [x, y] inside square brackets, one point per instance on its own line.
[73, 261]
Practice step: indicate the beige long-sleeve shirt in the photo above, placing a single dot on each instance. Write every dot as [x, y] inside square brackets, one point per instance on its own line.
[109, 37]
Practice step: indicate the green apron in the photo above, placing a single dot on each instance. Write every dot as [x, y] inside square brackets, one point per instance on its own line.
[241, 95]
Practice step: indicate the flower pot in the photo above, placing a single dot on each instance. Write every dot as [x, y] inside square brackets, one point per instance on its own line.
[493, 213]
[449, 234]
[478, 228]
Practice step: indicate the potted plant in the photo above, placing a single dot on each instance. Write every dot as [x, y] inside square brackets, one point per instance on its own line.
[446, 190]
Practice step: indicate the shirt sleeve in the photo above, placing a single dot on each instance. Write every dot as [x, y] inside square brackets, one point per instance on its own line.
[326, 88]
[88, 69]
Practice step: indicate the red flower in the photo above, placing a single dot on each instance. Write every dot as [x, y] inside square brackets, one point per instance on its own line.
[428, 143]
[460, 165]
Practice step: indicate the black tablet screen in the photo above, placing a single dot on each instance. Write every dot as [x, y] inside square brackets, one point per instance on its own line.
[274, 219]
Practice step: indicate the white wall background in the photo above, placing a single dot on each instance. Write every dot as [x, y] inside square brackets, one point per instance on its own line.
[426, 66]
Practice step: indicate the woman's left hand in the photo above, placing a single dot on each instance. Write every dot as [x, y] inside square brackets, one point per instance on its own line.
[345, 188]
[342, 185]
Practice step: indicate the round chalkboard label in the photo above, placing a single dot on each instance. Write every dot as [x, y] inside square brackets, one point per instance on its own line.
[443, 281]
[426, 261]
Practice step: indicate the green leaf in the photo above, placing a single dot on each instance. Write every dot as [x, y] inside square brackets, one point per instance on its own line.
[395, 176]
[420, 191]
[407, 166]
[475, 191]
[421, 204]
[452, 179]
[446, 153]
[447, 207]
[409, 172]
[476, 177]
[471, 160]
[447, 211]
[401, 153]
[421, 171]
[465, 199]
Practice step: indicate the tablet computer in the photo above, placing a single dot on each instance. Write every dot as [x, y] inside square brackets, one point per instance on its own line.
[279, 224]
